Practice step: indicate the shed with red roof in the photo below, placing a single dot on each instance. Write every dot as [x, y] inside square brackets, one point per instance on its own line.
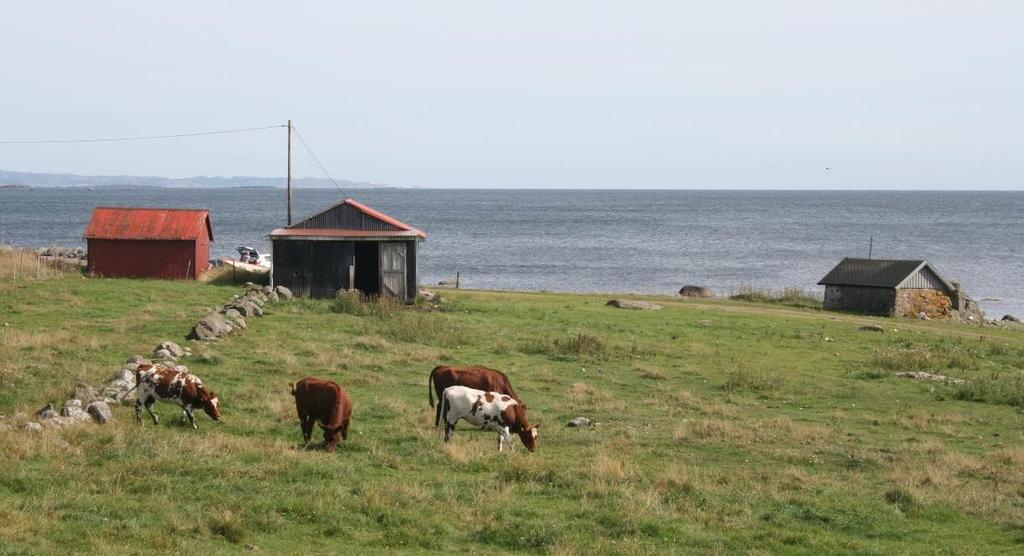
[149, 242]
[347, 246]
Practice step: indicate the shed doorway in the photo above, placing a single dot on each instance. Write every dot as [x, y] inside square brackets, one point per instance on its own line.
[367, 262]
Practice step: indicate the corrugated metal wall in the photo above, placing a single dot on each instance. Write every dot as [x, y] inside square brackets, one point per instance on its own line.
[312, 268]
[344, 217]
[146, 258]
[924, 279]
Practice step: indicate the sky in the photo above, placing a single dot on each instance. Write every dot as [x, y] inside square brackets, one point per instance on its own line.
[529, 94]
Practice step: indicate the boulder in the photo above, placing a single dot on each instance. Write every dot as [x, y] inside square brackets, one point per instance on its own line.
[45, 408]
[136, 360]
[49, 414]
[871, 328]
[75, 413]
[283, 292]
[579, 422]
[99, 411]
[239, 323]
[210, 327]
[267, 290]
[73, 403]
[634, 304]
[273, 297]
[696, 291]
[164, 354]
[1010, 318]
[922, 375]
[232, 313]
[126, 375]
[170, 347]
[30, 426]
[85, 393]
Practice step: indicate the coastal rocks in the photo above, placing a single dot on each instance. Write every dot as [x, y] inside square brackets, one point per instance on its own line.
[633, 304]
[283, 292]
[1010, 318]
[696, 291]
[922, 375]
[99, 411]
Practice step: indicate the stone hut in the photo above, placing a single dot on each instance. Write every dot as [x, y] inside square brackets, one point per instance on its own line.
[891, 288]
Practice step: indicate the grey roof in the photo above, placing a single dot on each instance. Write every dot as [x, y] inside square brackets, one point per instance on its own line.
[878, 273]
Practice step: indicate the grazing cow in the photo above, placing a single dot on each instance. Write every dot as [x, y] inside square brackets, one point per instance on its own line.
[490, 410]
[173, 385]
[325, 403]
[479, 378]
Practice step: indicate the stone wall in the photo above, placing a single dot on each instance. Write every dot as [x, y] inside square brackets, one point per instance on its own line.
[934, 304]
[858, 299]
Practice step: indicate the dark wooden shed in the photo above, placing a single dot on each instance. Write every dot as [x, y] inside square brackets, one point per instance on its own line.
[347, 246]
[149, 242]
[891, 288]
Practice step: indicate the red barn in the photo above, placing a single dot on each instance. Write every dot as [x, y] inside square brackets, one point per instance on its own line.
[149, 242]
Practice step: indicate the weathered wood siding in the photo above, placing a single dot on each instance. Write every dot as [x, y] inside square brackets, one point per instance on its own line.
[924, 279]
[312, 268]
[345, 217]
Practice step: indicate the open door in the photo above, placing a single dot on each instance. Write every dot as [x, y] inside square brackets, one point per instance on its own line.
[392, 269]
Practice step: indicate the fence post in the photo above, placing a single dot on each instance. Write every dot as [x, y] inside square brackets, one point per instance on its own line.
[456, 280]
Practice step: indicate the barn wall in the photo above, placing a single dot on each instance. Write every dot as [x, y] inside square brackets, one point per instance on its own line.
[935, 304]
[412, 281]
[312, 268]
[202, 255]
[132, 258]
[859, 299]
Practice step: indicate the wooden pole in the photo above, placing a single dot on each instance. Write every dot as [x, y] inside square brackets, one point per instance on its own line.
[289, 172]
[871, 245]
[456, 280]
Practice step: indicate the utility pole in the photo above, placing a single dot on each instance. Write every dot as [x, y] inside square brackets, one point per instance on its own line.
[289, 172]
[871, 244]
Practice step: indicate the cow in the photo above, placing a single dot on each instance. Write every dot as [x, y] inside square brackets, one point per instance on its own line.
[173, 385]
[490, 410]
[325, 403]
[480, 378]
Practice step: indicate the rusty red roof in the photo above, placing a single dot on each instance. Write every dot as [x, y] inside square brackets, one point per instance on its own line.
[330, 218]
[148, 223]
[334, 232]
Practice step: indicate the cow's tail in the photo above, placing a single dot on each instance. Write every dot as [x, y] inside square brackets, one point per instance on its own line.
[441, 410]
[430, 387]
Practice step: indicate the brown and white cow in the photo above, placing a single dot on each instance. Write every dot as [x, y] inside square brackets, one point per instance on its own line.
[173, 385]
[490, 410]
[325, 403]
[479, 378]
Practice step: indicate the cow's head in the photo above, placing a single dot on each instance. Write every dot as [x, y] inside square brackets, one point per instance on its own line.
[330, 437]
[211, 403]
[528, 435]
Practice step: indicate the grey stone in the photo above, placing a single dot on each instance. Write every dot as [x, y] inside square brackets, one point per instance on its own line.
[85, 393]
[267, 290]
[48, 414]
[126, 375]
[232, 313]
[47, 407]
[239, 323]
[1010, 318]
[172, 348]
[135, 360]
[284, 292]
[696, 291]
[164, 354]
[100, 411]
[73, 403]
[871, 328]
[273, 297]
[921, 375]
[30, 426]
[76, 413]
[579, 422]
[211, 326]
[634, 304]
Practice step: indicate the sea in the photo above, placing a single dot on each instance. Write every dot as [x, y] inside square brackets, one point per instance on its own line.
[643, 241]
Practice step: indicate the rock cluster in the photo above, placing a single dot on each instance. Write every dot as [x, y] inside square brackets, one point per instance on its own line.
[634, 304]
[63, 252]
[696, 291]
[231, 317]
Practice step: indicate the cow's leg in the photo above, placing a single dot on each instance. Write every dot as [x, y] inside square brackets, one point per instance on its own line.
[449, 430]
[437, 418]
[307, 423]
[149, 409]
[344, 430]
[138, 412]
[191, 417]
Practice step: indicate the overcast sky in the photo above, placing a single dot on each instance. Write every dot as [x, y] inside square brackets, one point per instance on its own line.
[547, 94]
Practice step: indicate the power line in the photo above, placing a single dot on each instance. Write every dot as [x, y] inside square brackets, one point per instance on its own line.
[142, 137]
[316, 159]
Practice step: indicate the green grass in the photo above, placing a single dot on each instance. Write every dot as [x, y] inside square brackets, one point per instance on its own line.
[721, 426]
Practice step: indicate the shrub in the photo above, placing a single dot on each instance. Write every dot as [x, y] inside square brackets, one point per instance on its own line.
[998, 388]
[903, 359]
[901, 498]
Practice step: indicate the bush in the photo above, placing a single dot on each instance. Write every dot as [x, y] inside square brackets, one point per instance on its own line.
[998, 388]
[904, 359]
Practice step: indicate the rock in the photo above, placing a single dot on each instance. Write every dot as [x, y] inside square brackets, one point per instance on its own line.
[922, 375]
[232, 313]
[99, 411]
[73, 403]
[923, 316]
[135, 360]
[174, 349]
[429, 296]
[126, 375]
[32, 427]
[255, 298]
[283, 292]
[49, 414]
[696, 291]
[579, 422]
[164, 354]
[634, 304]
[211, 326]
[871, 328]
[75, 413]
[239, 323]
[273, 297]
[1010, 318]
[85, 393]
[267, 290]
[47, 407]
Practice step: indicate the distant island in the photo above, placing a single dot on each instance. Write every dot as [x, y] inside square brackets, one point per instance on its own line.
[25, 179]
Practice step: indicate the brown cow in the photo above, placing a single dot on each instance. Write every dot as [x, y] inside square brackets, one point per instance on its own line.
[479, 378]
[325, 403]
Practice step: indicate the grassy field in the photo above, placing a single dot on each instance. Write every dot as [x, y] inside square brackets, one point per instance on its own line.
[722, 427]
